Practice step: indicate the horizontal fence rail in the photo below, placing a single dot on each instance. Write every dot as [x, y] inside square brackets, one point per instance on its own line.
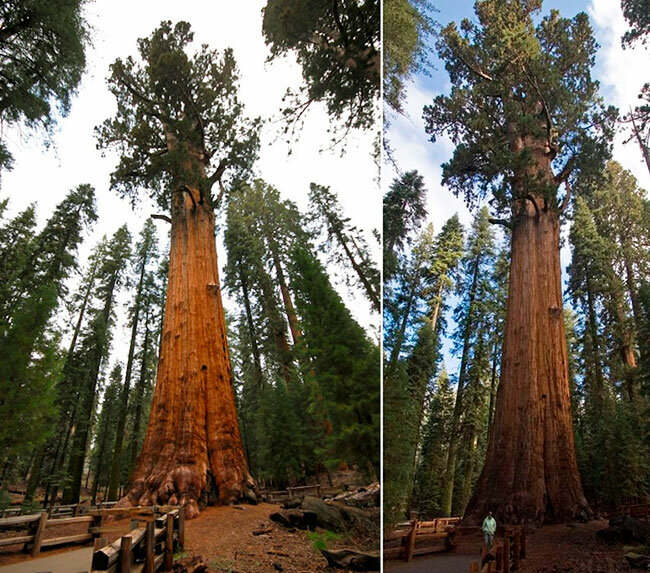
[148, 547]
[419, 538]
[30, 529]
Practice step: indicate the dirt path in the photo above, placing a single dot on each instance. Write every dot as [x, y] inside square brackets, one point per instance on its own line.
[75, 561]
[568, 548]
[222, 536]
[447, 563]
[573, 547]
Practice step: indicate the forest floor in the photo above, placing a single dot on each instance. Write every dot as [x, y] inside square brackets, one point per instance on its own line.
[223, 538]
[572, 548]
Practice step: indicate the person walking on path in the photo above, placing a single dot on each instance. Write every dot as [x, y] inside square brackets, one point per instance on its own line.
[489, 529]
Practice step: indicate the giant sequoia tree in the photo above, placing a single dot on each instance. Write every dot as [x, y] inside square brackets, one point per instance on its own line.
[525, 116]
[180, 128]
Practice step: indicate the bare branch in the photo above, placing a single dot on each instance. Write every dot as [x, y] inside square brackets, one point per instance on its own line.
[161, 217]
[480, 73]
[503, 222]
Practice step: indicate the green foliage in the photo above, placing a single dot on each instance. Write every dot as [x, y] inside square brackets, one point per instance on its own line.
[319, 540]
[177, 115]
[344, 243]
[336, 43]
[407, 31]
[343, 366]
[5, 499]
[428, 485]
[404, 210]
[30, 360]
[608, 268]
[42, 50]
[522, 101]
[637, 14]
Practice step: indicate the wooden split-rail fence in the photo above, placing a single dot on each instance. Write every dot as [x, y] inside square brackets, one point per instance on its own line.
[72, 510]
[506, 554]
[638, 510]
[30, 534]
[420, 538]
[290, 492]
[148, 547]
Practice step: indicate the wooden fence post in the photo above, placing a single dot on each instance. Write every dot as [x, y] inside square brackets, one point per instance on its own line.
[77, 509]
[149, 565]
[410, 542]
[169, 543]
[125, 554]
[506, 553]
[38, 534]
[318, 492]
[99, 542]
[499, 557]
[181, 527]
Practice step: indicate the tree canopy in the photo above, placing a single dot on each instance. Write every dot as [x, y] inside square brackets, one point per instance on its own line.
[517, 84]
[42, 59]
[336, 43]
[170, 107]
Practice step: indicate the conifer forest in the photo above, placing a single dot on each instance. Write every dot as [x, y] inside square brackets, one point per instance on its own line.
[190, 291]
[516, 272]
[325, 285]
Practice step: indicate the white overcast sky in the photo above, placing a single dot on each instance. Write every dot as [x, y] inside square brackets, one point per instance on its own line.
[621, 73]
[46, 175]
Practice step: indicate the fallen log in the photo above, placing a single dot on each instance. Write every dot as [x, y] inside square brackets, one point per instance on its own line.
[352, 560]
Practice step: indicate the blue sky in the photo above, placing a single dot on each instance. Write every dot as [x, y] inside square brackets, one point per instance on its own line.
[615, 69]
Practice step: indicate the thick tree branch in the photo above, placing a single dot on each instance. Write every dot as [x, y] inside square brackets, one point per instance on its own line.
[480, 73]
[187, 190]
[534, 202]
[503, 222]
[566, 171]
[161, 217]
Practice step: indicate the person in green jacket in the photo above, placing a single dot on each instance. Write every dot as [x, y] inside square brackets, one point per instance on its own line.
[489, 529]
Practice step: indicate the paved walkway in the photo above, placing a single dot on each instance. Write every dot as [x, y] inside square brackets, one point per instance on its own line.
[449, 563]
[76, 561]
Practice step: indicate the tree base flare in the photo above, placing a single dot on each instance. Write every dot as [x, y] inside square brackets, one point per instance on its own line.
[183, 486]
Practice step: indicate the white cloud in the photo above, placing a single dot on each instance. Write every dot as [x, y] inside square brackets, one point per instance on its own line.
[622, 73]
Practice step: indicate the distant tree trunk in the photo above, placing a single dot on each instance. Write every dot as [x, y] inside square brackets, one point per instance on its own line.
[192, 452]
[87, 402]
[139, 396]
[493, 384]
[58, 459]
[34, 474]
[294, 325]
[450, 470]
[369, 288]
[116, 461]
[251, 323]
[531, 472]
[470, 466]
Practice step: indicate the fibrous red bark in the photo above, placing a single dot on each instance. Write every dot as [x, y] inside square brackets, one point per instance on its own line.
[531, 472]
[192, 452]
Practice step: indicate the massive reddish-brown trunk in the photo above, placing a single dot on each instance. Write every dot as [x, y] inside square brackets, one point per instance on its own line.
[530, 472]
[192, 452]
